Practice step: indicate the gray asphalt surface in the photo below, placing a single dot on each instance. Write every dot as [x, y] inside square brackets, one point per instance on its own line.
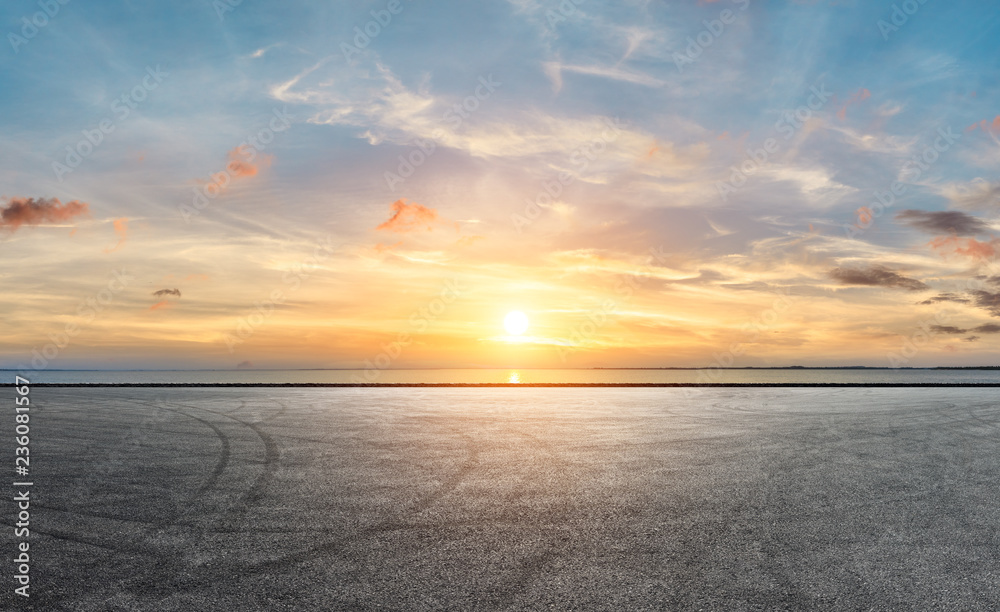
[511, 499]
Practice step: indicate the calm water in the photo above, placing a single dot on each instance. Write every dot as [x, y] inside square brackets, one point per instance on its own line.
[515, 376]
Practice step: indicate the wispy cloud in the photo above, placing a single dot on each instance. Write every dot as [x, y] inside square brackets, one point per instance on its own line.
[555, 69]
[875, 276]
[121, 229]
[966, 247]
[978, 194]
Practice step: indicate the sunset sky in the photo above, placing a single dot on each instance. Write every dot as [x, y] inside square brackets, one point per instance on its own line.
[195, 184]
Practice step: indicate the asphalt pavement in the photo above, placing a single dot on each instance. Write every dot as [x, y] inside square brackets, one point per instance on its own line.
[510, 499]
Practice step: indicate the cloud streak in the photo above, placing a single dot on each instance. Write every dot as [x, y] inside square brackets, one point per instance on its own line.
[121, 228]
[968, 247]
[944, 297]
[875, 276]
[987, 328]
[944, 222]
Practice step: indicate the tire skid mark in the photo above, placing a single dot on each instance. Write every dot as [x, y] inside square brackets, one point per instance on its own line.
[168, 561]
[76, 539]
[242, 405]
[272, 453]
[177, 515]
[256, 491]
[224, 456]
[97, 515]
[451, 483]
[526, 574]
[394, 522]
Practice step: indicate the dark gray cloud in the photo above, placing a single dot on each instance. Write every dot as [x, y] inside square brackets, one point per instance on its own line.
[988, 301]
[944, 222]
[875, 276]
[945, 297]
[163, 292]
[947, 329]
[988, 328]
[970, 339]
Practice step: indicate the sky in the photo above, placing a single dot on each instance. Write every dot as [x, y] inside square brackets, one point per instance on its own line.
[306, 184]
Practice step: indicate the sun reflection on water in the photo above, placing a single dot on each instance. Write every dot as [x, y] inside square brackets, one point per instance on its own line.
[514, 378]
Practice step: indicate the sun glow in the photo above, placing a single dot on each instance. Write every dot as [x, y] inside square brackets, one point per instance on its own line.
[516, 323]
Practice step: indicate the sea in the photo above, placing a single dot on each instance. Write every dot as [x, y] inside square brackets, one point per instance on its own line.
[852, 376]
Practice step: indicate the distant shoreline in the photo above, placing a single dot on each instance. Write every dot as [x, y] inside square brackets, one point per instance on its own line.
[507, 385]
[530, 369]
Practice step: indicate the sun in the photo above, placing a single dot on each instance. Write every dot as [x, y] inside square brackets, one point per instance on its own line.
[516, 323]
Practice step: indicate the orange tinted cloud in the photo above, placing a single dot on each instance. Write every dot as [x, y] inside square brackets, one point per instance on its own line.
[241, 164]
[238, 166]
[860, 96]
[159, 305]
[410, 217]
[985, 125]
[382, 248]
[35, 211]
[121, 228]
[969, 247]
